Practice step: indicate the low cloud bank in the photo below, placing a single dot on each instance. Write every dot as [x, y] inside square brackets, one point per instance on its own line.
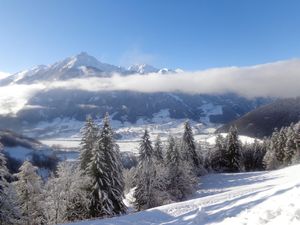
[280, 79]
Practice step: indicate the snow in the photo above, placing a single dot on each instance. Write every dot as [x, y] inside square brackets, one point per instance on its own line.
[254, 198]
[208, 110]
[244, 139]
[143, 69]
[128, 134]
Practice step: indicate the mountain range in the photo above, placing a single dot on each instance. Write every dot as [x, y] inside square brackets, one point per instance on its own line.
[57, 104]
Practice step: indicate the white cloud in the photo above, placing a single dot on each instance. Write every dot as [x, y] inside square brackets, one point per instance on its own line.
[3, 75]
[14, 97]
[279, 79]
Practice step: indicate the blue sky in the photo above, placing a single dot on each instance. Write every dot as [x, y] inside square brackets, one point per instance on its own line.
[190, 34]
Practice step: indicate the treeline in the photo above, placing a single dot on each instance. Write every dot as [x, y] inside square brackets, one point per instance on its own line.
[283, 147]
[94, 186]
[231, 155]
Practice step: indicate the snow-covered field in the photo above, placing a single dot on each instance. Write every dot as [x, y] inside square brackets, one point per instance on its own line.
[269, 198]
[129, 134]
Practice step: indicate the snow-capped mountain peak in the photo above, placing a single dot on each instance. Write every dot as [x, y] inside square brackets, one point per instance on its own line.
[81, 65]
[83, 59]
[143, 69]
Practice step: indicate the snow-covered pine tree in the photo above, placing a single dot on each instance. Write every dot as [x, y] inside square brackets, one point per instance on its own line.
[290, 147]
[29, 192]
[259, 154]
[149, 178]
[158, 150]
[144, 174]
[270, 159]
[296, 158]
[232, 150]
[89, 137]
[105, 171]
[9, 211]
[189, 147]
[66, 195]
[218, 155]
[252, 156]
[279, 144]
[181, 180]
[297, 135]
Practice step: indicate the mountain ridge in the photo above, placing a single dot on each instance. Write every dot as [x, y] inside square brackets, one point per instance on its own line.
[263, 120]
[78, 66]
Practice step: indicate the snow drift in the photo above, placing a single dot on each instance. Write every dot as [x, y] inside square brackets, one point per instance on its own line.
[269, 197]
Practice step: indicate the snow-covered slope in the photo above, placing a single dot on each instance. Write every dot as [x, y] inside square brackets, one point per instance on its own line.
[270, 197]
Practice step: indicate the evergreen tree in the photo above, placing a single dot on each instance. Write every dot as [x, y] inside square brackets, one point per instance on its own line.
[232, 151]
[89, 137]
[296, 157]
[150, 177]
[252, 156]
[181, 180]
[144, 174]
[9, 211]
[218, 155]
[290, 147]
[279, 145]
[275, 155]
[158, 150]
[189, 146]
[66, 196]
[105, 171]
[29, 192]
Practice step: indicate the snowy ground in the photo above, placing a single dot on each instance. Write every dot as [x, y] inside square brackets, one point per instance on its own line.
[269, 198]
[64, 133]
[129, 134]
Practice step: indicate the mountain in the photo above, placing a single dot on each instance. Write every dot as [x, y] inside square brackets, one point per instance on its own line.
[40, 111]
[78, 66]
[142, 69]
[262, 121]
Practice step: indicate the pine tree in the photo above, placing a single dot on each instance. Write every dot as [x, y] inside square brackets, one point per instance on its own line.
[158, 150]
[144, 174]
[9, 210]
[150, 177]
[29, 192]
[252, 156]
[233, 151]
[290, 147]
[66, 196]
[279, 145]
[105, 170]
[89, 137]
[296, 157]
[189, 146]
[181, 180]
[218, 155]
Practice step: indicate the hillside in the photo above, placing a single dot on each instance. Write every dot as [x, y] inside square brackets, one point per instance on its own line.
[235, 199]
[261, 122]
